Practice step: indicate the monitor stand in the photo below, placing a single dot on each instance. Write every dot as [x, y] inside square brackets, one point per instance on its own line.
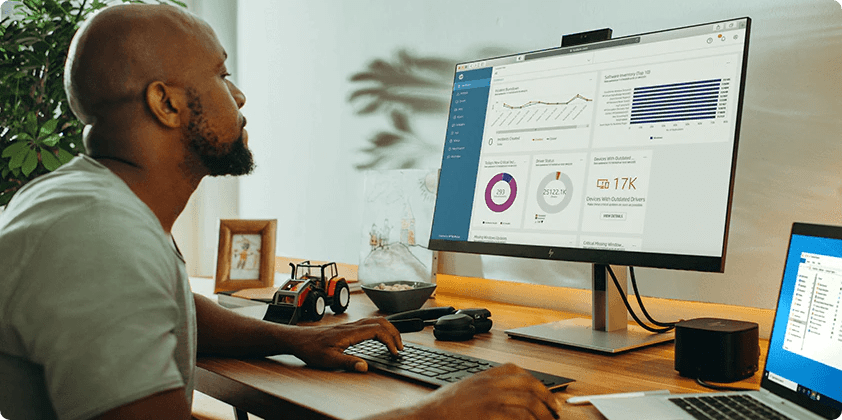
[608, 331]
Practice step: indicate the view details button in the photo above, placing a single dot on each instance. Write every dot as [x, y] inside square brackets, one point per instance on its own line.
[613, 216]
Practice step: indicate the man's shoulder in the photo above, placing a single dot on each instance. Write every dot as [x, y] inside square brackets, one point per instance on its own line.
[81, 178]
[77, 240]
[73, 213]
[78, 190]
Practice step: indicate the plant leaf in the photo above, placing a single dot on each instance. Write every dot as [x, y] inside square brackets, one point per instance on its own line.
[4, 199]
[13, 149]
[30, 162]
[24, 136]
[64, 156]
[17, 160]
[48, 128]
[51, 140]
[30, 125]
[49, 160]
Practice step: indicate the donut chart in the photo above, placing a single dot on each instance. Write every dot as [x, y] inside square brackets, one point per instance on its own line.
[568, 194]
[504, 177]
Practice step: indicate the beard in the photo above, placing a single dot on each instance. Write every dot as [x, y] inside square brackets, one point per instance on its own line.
[219, 159]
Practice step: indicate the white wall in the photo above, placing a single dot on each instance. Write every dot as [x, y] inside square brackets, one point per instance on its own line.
[295, 59]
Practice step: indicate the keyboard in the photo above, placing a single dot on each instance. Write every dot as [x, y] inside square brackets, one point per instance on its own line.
[431, 366]
[727, 407]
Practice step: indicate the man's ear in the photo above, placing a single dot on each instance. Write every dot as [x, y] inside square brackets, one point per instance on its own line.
[166, 103]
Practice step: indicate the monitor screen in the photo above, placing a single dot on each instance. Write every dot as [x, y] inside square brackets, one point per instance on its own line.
[615, 152]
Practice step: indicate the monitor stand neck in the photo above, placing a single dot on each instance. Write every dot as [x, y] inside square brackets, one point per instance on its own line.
[608, 311]
[607, 331]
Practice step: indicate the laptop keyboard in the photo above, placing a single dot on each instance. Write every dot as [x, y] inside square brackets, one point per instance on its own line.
[433, 366]
[723, 407]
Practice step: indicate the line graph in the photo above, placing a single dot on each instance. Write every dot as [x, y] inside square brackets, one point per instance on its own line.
[542, 110]
[533, 103]
[531, 115]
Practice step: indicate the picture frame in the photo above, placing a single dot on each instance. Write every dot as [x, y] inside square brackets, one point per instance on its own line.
[246, 254]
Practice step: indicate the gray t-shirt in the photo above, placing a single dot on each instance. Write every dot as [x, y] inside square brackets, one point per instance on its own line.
[95, 305]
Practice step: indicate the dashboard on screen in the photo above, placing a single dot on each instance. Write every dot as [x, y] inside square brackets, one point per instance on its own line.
[615, 152]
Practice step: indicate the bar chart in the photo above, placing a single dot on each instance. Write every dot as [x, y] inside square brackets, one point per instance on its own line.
[695, 100]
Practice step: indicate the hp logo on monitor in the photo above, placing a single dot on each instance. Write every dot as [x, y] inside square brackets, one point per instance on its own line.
[551, 253]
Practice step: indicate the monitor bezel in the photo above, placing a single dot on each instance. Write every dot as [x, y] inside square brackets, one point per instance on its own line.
[689, 262]
[595, 256]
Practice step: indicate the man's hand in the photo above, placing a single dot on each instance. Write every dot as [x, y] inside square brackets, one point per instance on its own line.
[503, 393]
[506, 392]
[324, 346]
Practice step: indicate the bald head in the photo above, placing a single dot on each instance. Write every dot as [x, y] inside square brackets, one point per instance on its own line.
[151, 85]
[120, 50]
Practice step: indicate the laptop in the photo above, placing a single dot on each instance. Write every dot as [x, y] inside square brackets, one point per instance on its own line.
[802, 378]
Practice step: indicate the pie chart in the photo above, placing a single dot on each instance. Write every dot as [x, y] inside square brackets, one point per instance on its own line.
[500, 193]
[566, 193]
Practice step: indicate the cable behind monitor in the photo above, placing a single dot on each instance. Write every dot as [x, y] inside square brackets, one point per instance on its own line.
[666, 326]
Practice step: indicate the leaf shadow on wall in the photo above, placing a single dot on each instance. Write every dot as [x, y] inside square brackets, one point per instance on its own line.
[403, 89]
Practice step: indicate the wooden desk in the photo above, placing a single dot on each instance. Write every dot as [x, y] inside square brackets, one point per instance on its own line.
[281, 387]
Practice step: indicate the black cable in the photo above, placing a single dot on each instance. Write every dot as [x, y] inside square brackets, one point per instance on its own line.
[628, 306]
[718, 387]
[668, 326]
[642, 308]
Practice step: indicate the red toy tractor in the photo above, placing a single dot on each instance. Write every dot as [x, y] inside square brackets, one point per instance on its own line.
[311, 288]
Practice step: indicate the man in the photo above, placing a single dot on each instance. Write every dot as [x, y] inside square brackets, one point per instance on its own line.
[98, 320]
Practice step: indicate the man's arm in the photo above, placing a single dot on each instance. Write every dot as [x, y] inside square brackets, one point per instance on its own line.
[506, 392]
[503, 393]
[161, 406]
[226, 333]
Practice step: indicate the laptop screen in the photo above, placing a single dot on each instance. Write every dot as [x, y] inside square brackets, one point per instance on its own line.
[804, 363]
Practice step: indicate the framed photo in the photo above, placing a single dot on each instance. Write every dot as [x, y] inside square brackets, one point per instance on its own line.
[246, 256]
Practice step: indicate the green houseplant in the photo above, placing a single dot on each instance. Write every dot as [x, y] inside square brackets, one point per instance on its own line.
[38, 132]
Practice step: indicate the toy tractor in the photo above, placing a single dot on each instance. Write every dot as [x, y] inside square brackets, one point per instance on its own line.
[310, 289]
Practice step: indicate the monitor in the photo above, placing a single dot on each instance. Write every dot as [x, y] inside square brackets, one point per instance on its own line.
[619, 152]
